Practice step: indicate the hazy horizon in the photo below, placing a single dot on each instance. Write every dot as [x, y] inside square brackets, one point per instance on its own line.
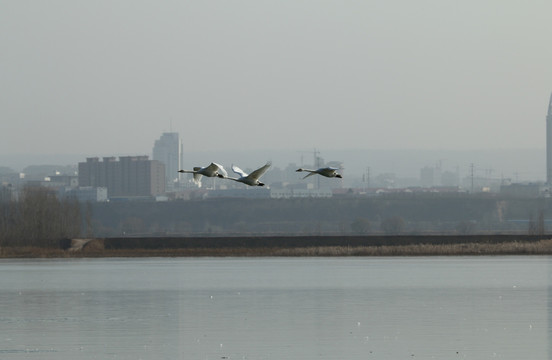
[515, 164]
[109, 77]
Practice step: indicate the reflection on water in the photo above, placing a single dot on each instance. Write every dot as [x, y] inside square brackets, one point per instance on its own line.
[276, 308]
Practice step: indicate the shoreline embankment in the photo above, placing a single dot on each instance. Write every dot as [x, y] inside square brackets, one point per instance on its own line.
[303, 241]
[312, 245]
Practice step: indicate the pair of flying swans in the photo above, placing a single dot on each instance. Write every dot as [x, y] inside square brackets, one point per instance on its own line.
[213, 170]
[330, 172]
[216, 170]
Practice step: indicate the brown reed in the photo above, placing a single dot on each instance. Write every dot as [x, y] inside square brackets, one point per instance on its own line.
[95, 249]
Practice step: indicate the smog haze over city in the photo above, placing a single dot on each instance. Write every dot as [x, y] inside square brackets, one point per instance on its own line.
[404, 84]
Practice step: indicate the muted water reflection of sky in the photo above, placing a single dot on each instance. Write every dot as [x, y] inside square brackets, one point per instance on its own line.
[277, 308]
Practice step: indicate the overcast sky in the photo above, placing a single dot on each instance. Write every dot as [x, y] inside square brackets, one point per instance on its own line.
[108, 77]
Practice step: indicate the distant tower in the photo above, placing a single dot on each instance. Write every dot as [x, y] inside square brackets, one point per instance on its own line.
[168, 150]
[549, 143]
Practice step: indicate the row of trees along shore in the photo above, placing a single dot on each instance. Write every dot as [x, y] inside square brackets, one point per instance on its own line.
[38, 218]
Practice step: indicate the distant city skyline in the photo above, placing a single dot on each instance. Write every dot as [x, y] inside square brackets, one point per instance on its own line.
[518, 165]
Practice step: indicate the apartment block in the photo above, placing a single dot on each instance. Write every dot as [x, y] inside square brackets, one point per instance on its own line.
[128, 176]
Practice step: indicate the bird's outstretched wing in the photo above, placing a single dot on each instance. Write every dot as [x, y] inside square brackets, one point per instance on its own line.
[260, 171]
[239, 171]
[220, 169]
[211, 169]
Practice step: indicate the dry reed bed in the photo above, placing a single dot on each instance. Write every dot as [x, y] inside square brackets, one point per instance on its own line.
[542, 247]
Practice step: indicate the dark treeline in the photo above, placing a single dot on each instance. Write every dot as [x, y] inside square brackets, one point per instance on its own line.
[38, 218]
[347, 215]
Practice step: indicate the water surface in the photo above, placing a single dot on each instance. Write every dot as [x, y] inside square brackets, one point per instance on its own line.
[276, 308]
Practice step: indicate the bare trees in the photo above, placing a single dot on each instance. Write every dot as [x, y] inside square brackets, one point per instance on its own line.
[38, 219]
[360, 226]
[393, 225]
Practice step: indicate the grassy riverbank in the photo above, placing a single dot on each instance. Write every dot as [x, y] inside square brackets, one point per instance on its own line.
[96, 249]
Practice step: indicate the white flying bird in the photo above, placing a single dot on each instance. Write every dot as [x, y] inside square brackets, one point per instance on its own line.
[326, 171]
[250, 179]
[213, 170]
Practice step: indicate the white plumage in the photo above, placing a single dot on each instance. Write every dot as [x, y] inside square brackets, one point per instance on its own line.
[250, 179]
[213, 170]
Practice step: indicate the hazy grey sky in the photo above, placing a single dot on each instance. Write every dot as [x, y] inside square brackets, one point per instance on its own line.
[108, 77]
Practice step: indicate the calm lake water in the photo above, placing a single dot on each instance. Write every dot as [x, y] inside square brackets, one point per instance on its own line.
[277, 308]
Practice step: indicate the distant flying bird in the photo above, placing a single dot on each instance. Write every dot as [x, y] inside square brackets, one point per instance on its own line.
[213, 170]
[326, 171]
[250, 179]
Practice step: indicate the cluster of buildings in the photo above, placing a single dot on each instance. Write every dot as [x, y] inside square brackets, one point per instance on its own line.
[109, 178]
[133, 177]
[139, 177]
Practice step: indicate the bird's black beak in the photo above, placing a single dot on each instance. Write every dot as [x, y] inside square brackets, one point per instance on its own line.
[261, 184]
[339, 176]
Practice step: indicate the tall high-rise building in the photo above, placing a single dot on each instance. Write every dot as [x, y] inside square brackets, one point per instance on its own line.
[549, 143]
[168, 150]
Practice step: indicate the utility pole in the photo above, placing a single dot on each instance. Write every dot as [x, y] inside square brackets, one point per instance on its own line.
[471, 176]
[317, 166]
[367, 179]
[316, 158]
[549, 143]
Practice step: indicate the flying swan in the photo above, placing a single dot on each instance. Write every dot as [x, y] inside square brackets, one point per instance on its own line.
[213, 170]
[326, 171]
[250, 179]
